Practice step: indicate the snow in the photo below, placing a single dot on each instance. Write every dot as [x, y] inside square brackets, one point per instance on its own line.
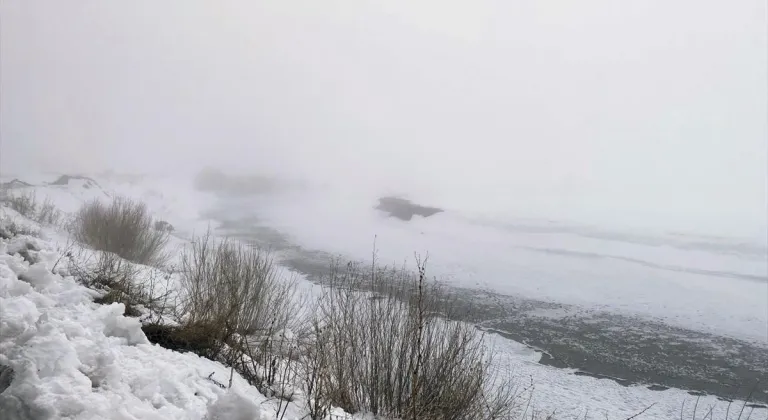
[62, 355]
[574, 396]
[73, 358]
[232, 406]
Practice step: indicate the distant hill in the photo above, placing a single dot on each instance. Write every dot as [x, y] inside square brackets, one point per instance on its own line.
[14, 183]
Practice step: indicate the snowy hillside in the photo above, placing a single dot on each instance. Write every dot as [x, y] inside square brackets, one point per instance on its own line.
[64, 356]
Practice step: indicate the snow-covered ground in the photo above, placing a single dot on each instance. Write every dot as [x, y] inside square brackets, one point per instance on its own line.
[64, 356]
[73, 357]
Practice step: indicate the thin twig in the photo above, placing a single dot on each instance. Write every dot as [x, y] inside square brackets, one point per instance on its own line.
[640, 413]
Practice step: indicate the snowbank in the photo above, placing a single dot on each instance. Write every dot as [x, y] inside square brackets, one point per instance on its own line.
[64, 356]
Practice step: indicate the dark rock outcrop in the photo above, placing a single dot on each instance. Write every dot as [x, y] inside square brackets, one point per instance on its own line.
[404, 209]
[164, 226]
[64, 180]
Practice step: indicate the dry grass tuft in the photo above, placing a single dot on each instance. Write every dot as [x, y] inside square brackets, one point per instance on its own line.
[123, 227]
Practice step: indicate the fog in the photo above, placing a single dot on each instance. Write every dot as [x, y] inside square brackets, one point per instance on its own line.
[637, 114]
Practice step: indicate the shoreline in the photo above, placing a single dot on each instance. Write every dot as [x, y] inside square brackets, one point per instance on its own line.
[626, 350]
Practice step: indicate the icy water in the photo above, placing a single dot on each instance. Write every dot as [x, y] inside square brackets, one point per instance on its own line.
[649, 311]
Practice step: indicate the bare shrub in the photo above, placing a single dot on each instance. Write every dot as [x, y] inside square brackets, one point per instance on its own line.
[236, 291]
[25, 203]
[48, 214]
[272, 366]
[123, 227]
[316, 376]
[101, 270]
[28, 206]
[121, 282]
[388, 351]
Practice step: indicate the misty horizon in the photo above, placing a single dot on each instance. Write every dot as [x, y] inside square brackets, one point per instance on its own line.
[645, 115]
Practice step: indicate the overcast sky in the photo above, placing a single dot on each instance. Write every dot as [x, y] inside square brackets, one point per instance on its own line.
[647, 112]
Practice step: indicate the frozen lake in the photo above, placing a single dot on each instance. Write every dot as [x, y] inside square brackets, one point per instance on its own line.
[668, 310]
[708, 284]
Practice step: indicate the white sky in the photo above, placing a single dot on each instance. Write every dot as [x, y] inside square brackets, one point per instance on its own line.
[644, 113]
